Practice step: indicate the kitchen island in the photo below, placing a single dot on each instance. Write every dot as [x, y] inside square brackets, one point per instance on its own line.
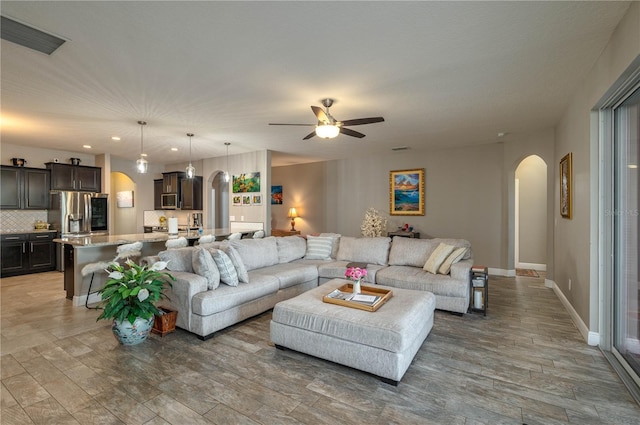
[82, 250]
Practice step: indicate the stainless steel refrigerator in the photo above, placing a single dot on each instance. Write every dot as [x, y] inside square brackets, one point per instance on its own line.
[78, 214]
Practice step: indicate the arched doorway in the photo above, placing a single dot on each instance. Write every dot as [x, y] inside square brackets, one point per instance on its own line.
[123, 217]
[530, 227]
[218, 208]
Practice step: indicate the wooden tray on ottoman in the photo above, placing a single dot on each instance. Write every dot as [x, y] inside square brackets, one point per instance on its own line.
[166, 323]
[384, 294]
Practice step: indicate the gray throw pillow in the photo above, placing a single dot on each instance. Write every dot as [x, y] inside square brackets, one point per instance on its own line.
[256, 253]
[241, 270]
[205, 266]
[290, 248]
[228, 273]
[178, 259]
[364, 250]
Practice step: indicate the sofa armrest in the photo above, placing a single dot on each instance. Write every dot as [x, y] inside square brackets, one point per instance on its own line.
[181, 293]
[461, 269]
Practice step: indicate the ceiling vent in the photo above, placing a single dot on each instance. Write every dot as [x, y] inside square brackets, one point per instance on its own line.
[400, 148]
[27, 36]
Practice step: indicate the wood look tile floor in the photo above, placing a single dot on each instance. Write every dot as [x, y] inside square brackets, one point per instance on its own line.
[525, 362]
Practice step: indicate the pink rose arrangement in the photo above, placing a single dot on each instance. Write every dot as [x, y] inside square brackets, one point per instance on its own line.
[355, 273]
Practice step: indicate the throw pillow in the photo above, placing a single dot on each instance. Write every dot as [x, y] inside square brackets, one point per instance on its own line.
[228, 273]
[437, 257]
[236, 260]
[178, 260]
[453, 258]
[364, 250]
[335, 242]
[410, 251]
[318, 248]
[204, 266]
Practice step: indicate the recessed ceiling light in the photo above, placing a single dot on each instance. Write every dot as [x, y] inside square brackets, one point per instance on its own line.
[86, 146]
[143, 154]
[116, 138]
[502, 134]
[174, 149]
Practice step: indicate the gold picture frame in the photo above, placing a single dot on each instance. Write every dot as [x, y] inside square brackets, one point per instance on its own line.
[566, 201]
[406, 192]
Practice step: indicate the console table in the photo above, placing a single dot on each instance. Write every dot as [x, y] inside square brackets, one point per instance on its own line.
[277, 232]
[404, 234]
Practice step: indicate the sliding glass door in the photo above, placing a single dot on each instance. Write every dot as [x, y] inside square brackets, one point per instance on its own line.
[625, 311]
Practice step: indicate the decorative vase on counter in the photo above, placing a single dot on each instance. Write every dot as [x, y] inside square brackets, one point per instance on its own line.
[132, 334]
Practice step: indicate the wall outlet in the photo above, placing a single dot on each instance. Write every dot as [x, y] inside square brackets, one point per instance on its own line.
[241, 218]
[569, 284]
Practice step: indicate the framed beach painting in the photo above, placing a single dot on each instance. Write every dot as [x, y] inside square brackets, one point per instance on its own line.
[406, 192]
[565, 186]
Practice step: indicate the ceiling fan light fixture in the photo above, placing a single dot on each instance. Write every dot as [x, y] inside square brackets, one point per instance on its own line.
[327, 131]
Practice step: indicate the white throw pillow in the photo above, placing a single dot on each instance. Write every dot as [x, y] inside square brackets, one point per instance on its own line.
[205, 266]
[437, 257]
[228, 273]
[335, 242]
[453, 258]
[318, 248]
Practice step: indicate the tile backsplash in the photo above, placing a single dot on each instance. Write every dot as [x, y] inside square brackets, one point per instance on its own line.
[152, 218]
[20, 220]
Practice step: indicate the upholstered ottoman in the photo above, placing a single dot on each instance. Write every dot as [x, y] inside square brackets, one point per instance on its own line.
[383, 342]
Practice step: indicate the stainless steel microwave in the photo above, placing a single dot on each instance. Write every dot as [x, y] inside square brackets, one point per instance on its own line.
[169, 201]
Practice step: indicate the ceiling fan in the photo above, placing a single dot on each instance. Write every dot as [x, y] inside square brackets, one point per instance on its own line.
[329, 127]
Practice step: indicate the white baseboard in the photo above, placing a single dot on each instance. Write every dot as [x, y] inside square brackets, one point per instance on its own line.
[532, 266]
[79, 300]
[592, 338]
[502, 272]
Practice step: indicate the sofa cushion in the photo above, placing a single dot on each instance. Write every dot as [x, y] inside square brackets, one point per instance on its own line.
[408, 277]
[226, 297]
[335, 242]
[318, 248]
[290, 248]
[453, 258]
[410, 251]
[178, 259]
[336, 270]
[227, 271]
[364, 250]
[437, 257]
[290, 274]
[236, 260]
[256, 253]
[205, 266]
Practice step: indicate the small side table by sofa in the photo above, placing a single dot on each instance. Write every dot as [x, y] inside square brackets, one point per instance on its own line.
[404, 234]
[479, 287]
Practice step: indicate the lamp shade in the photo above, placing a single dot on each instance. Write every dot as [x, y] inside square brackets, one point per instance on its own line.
[292, 213]
[141, 165]
[327, 131]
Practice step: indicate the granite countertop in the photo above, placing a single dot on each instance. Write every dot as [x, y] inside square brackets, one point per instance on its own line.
[92, 241]
[23, 232]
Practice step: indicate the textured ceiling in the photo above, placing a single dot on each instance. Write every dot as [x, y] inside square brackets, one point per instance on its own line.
[441, 73]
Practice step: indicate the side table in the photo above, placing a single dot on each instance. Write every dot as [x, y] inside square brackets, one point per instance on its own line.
[479, 287]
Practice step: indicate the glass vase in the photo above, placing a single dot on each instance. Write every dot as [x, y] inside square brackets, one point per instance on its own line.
[356, 287]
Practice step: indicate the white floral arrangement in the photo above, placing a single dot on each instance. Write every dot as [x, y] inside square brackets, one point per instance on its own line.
[374, 224]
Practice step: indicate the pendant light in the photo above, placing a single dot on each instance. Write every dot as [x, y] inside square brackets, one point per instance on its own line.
[191, 170]
[141, 163]
[226, 173]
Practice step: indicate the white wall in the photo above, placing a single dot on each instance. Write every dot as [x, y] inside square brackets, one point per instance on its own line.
[576, 239]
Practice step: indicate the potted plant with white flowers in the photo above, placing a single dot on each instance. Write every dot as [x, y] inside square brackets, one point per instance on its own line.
[129, 297]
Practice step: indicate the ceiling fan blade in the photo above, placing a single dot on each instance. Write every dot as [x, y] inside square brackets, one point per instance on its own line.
[275, 123]
[360, 121]
[322, 117]
[349, 132]
[309, 136]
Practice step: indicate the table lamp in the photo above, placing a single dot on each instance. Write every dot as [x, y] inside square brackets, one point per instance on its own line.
[292, 215]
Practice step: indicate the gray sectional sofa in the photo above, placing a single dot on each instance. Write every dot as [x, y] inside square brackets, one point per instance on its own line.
[279, 268]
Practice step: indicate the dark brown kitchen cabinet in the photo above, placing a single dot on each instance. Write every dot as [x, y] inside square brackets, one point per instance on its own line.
[25, 188]
[191, 193]
[158, 185]
[75, 177]
[24, 253]
[171, 182]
